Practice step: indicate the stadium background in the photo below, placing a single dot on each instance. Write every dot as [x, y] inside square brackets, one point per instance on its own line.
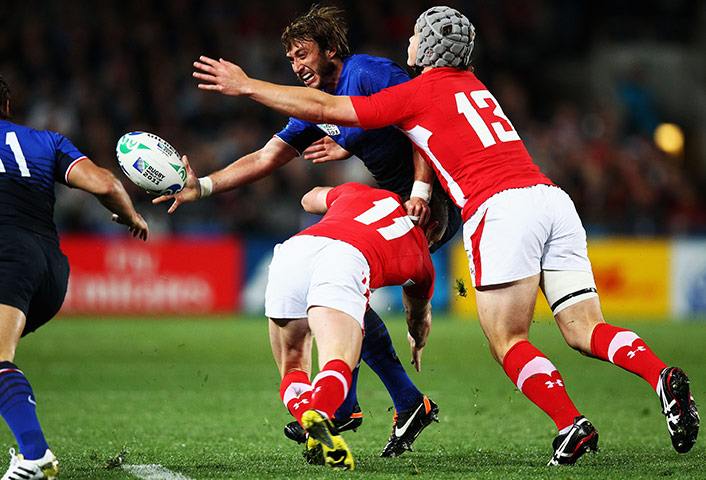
[585, 84]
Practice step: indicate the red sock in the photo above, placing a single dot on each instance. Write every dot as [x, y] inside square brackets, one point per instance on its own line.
[295, 392]
[626, 350]
[331, 387]
[539, 380]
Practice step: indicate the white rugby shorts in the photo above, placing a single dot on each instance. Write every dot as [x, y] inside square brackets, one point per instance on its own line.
[519, 232]
[308, 271]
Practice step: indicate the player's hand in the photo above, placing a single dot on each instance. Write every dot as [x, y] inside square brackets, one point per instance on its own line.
[137, 226]
[418, 316]
[221, 76]
[416, 350]
[418, 210]
[417, 333]
[326, 150]
[190, 192]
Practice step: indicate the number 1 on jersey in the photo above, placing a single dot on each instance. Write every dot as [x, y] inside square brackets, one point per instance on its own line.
[381, 209]
[14, 144]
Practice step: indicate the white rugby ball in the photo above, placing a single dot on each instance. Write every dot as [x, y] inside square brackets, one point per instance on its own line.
[151, 163]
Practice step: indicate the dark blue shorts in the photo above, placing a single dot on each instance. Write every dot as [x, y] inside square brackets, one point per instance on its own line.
[34, 275]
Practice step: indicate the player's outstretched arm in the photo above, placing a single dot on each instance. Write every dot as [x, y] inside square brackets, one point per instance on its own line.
[308, 104]
[100, 182]
[418, 313]
[244, 171]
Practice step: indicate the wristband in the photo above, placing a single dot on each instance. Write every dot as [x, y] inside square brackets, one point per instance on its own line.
[421, 190]
[206, 185]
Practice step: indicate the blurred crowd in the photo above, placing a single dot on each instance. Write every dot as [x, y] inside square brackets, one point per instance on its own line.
[95, 70]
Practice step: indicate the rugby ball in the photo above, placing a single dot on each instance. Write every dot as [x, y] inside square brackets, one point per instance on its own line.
[151, 163]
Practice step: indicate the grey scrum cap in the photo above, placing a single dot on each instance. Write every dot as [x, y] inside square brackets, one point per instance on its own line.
[445, 38]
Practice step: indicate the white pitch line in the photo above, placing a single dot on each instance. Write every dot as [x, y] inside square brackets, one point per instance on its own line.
[154, 472]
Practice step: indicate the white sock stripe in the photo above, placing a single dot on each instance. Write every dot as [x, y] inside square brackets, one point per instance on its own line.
[331, 373]
[622, 339]
[538, 365]
[294, 390]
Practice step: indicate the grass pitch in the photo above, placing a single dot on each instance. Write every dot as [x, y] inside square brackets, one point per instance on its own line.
[200, 397]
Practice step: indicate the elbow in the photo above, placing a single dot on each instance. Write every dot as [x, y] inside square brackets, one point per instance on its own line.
[307, 202]
[106, 185]
[315, 201]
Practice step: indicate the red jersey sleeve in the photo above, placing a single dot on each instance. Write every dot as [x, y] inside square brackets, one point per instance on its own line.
[390, 106]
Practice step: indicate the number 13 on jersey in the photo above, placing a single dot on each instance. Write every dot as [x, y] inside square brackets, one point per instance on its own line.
[480, 98]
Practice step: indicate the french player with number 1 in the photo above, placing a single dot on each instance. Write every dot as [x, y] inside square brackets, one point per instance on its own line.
[318, 286]
[34, 272]
[521, 231]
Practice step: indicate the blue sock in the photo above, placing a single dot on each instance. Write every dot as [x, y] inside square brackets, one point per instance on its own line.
[381, 357]
[346, 408]
[18, 408]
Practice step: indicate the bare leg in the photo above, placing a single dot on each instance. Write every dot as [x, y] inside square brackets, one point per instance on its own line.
[12, 322]
[338, 335]
[17, 402]
[505, 313]
[291, 344]
[577, 322]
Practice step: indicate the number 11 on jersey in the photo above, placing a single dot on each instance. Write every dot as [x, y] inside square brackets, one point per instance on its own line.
[14, 144]
[381, 209]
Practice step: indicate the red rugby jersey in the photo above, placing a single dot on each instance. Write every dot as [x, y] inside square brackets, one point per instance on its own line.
[461, 131]
[375, 222]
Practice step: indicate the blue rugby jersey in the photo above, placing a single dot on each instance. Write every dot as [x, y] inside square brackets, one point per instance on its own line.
[386, 152]
[30, 162]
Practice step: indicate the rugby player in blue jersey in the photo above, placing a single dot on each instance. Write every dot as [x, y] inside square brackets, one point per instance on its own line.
[34, 272]
[318, 50]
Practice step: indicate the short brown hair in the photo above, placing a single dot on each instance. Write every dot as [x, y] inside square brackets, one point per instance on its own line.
[4, 98]
[324, 26]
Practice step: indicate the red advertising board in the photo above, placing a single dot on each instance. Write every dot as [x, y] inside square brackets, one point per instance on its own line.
[171, 275]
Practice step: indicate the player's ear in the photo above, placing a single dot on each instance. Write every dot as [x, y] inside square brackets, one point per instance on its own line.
[331, 52]
[432, 232]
